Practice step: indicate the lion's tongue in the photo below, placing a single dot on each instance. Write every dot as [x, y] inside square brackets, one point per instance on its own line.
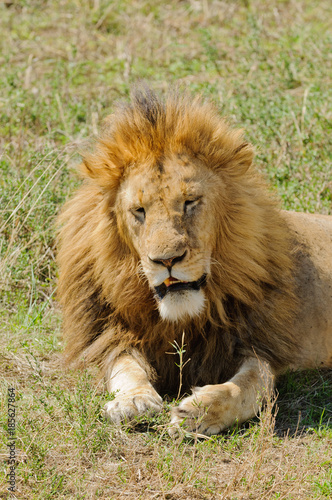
[169, 281]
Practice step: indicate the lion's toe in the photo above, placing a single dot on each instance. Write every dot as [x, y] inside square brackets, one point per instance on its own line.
[182, 423]
[125, 408]
[208, 411]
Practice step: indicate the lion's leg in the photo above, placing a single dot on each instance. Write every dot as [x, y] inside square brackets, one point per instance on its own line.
[135, 394]
[213, 408]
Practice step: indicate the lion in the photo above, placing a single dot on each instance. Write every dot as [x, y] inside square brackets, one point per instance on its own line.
[174, 239]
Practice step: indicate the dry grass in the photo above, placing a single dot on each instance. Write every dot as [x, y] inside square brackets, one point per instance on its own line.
[62, 64]
[66, 450]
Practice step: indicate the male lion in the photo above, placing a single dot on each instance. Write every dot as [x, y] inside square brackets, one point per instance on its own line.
[174, 233]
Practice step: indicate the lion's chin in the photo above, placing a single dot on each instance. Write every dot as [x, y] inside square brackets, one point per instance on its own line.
[181, 305]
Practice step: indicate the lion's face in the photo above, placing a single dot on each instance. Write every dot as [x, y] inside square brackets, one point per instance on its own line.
[167, 213]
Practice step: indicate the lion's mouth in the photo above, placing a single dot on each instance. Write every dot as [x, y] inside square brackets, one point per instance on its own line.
[172, 284]
[171, 281]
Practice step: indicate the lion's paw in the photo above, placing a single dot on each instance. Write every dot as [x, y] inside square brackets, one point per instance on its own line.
[210, 410]
[125, 407]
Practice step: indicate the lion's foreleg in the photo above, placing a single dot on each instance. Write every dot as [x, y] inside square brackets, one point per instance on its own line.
[213, 408]
[135, 394]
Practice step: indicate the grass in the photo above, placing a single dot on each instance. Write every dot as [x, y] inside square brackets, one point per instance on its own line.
[62, 65]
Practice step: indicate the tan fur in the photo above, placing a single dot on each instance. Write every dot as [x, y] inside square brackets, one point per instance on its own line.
[204, 204]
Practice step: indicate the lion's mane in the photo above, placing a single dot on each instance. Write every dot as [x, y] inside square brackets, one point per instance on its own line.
[107, 305]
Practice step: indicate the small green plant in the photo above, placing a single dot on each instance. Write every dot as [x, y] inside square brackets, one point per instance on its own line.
[179, 350]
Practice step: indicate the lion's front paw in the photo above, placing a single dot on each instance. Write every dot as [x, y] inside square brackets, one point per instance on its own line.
[125, 407]
[209, 410]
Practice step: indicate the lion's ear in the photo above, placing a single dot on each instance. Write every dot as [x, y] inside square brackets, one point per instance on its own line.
[233, 154]
[244, 155]
[99, 167]
[237, 160]
[86, 170]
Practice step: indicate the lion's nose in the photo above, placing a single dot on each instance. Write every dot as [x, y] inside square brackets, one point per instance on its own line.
[170, 261]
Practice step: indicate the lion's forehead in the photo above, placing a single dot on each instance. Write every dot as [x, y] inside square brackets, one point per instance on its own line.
[172, 180]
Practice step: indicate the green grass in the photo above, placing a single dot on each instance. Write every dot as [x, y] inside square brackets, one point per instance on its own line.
[267, 66]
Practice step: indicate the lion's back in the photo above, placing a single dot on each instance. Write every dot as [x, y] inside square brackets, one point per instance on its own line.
[313, 250]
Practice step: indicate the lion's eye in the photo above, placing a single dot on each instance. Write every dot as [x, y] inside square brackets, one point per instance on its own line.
[189, 205]
[139, 213]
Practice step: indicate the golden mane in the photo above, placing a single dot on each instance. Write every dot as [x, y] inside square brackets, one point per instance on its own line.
[107, 304]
